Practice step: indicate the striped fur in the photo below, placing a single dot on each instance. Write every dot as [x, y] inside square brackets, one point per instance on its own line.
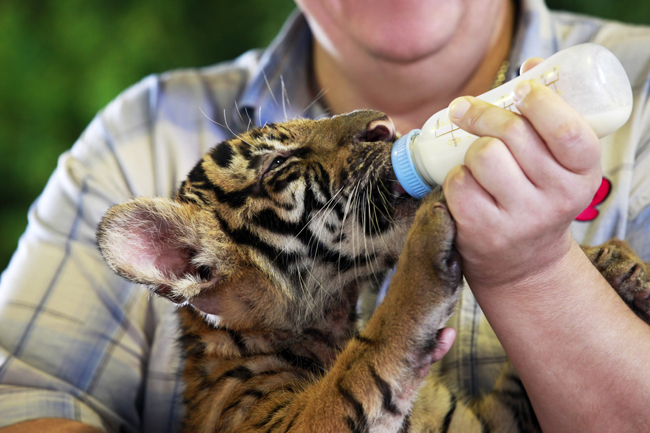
[265, 249]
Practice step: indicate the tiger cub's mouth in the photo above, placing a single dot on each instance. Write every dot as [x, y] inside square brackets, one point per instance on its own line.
[404, 204]
[384, 134]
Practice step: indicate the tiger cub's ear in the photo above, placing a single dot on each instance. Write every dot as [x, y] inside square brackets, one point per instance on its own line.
[175, 248]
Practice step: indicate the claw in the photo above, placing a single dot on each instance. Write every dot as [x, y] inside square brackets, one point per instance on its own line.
[631, 276]
[453, 264]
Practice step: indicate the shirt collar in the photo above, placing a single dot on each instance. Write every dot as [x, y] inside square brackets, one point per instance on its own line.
[534, 35]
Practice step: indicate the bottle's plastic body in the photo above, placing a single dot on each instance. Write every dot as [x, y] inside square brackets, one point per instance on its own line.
[588, 76]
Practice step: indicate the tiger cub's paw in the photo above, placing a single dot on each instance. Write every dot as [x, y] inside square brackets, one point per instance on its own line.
[431, 240]
[626, 273]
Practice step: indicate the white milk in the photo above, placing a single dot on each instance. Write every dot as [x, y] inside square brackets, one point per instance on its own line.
[609, 121]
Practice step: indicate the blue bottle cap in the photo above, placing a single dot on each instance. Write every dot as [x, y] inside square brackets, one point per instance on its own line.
[407, 174]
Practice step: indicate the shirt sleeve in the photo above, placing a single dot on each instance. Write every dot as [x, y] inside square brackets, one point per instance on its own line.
[638, 225]
[638, 229]
[74, 337]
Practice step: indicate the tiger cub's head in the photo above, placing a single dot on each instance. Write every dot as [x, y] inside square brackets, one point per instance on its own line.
[273, 226]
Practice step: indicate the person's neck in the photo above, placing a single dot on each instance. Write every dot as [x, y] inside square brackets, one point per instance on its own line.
[407, 92]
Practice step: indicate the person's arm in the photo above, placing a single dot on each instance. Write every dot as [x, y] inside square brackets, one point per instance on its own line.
[74, 342]
[50, 425]
[578, 348]
[580, 351]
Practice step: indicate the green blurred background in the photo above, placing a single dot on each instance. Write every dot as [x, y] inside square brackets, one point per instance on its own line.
[62, 61]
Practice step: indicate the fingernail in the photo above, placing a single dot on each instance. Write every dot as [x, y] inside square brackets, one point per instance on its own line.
[521, 90]
[459, 107]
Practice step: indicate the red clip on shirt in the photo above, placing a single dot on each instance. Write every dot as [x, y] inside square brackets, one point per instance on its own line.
[591, 212]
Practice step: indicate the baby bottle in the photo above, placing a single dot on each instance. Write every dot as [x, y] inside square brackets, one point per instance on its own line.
[588, 76]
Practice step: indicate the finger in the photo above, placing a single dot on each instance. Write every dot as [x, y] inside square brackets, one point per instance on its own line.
[484, 119]
[467, 200]
[496, 170]
[446, 338]
[566, 133]
[530, 64]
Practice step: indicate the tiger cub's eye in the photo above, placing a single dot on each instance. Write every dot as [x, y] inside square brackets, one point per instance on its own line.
[277, 161]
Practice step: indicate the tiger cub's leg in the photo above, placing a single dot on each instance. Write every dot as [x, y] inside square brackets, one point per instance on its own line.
[506, 409]
[626, 273]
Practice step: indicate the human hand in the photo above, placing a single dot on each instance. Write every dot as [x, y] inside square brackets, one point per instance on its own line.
[50, 425]
[521, 185]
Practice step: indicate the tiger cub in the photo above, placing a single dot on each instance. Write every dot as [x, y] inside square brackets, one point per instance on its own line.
[265, 248]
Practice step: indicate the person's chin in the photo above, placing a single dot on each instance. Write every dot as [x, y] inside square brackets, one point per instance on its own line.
[397, 52]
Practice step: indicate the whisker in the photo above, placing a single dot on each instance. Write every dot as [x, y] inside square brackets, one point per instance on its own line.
[345, 216]
[284, 93]
[387, 213]
[372, 207]
[236, 135]
[324, 213]
[318, 97]
[240, 136]
[269, 87]
[238, 111]
[304, 227]
[355, 211]
[261, 116]
[210, 119]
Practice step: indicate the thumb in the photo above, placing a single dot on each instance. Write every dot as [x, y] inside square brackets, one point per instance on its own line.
[446, 338]
[530, 64]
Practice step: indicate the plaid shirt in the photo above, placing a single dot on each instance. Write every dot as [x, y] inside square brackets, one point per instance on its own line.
[78, 342]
